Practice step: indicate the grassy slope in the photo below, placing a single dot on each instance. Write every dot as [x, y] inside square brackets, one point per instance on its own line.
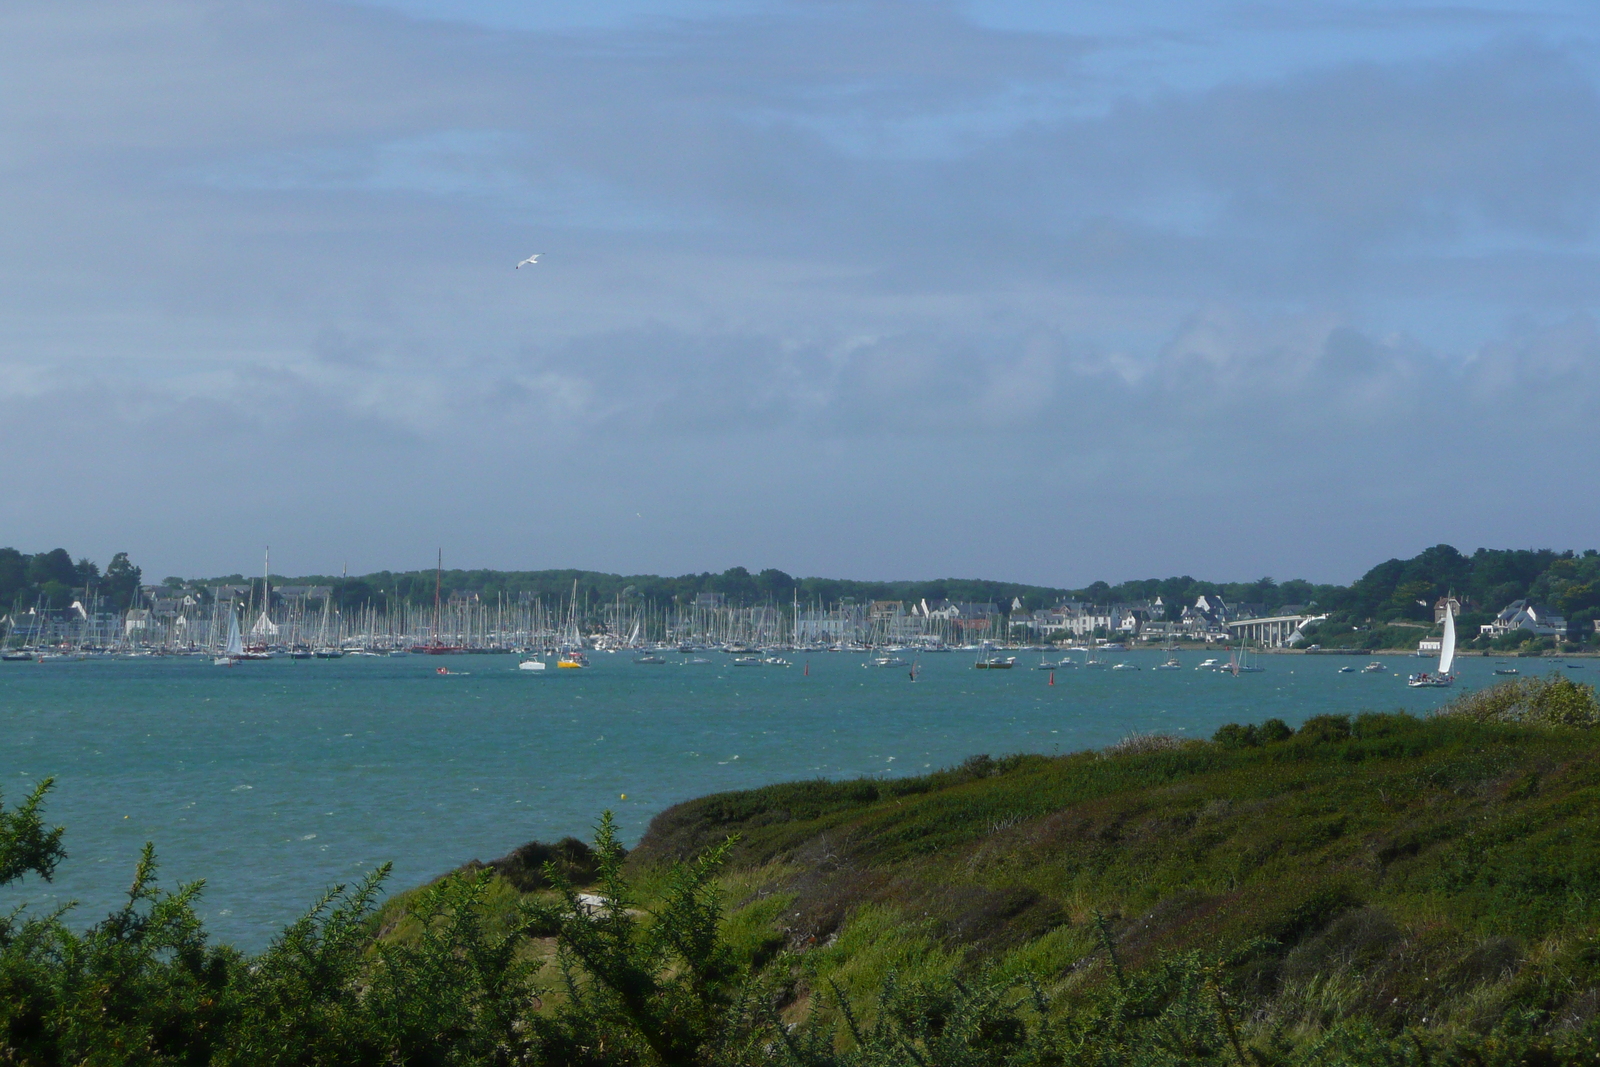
[1442, 873]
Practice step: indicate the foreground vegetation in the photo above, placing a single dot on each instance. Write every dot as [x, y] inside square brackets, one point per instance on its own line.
[1374, 889]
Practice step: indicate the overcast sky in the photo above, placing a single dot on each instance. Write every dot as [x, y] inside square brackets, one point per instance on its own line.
[1039, 291]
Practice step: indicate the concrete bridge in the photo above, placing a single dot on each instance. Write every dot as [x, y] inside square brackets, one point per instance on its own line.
[1273, 631]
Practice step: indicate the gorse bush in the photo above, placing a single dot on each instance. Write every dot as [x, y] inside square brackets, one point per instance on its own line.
[1554, 700]
[1250, 735]
[1375, 889]
[1140, 743]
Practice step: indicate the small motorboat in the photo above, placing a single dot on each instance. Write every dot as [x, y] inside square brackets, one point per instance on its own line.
[1506, 670]
[747, 661]
[650, 657]
[1374, 668]
[1347, 670]
[1124, 667]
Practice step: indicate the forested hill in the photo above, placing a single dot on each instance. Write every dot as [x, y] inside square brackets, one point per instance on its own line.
[1398, 589]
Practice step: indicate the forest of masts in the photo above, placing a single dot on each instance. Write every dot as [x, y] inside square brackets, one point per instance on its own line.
[471, 622]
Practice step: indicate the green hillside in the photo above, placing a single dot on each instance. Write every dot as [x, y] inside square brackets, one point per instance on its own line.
[1373, 888]
[1437, 875]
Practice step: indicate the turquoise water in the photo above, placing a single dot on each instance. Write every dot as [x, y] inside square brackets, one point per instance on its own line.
[274, 780]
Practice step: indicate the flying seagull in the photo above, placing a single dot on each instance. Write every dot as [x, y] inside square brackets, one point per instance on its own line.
[531, 259]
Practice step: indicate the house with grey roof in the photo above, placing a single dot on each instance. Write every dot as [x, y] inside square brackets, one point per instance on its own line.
[1526, 615]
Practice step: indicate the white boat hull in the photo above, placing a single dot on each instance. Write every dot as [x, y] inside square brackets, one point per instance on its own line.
[1430, 681]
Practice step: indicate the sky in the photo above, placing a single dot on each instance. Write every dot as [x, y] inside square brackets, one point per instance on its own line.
[888, 289]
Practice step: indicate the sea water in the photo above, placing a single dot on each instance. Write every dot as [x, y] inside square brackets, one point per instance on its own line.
[275, 780]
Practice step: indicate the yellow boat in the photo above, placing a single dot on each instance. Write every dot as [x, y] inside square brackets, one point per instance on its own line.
[572, 660]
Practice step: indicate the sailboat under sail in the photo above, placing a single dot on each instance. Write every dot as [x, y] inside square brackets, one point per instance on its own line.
[1447, 657]
[233, 651]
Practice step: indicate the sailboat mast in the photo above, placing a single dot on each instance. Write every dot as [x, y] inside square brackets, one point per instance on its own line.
[438, 576]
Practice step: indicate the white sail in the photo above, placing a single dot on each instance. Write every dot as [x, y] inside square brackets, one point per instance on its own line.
[1447, 646]
[235, 645]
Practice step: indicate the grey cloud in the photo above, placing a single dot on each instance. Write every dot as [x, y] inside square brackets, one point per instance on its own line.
[817, 258]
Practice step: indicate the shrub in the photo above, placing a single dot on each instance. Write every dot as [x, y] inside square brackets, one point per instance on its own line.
[1554, 700]
[1371, 724]
[1252, 736]
[1138, 744]
[1275, 730]
[1320, 729]
[525, 867]
[1235, 736]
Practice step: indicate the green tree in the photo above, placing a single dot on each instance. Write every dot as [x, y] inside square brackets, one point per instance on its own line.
[122, 581]
[13, 576]
[53, 566]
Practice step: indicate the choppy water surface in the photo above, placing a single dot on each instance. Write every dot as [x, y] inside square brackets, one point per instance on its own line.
[273, 780]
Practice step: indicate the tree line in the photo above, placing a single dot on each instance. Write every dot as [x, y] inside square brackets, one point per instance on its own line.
[1396, 590]
[52, 580]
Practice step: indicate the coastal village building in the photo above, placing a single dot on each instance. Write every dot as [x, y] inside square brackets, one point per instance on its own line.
[831, 626]
[1525, 615]
[1205, 620]
[973, 621]
[1079, 620]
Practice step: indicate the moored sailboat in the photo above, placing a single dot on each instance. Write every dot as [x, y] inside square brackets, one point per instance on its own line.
[989, 660]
